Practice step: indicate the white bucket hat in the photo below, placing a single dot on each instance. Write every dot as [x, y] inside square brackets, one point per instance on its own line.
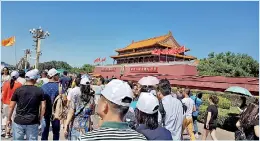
[147, 103]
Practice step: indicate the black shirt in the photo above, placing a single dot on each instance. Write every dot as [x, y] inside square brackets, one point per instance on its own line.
[28, 99]
[214, 114]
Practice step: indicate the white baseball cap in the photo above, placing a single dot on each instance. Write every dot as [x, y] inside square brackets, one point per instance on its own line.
[52, 72]
[84, 81]
[32, 74]
[149, 81]
[15, 74]
[147, 103]
[117, 90]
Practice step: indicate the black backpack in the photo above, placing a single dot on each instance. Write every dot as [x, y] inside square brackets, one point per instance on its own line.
[184, 107]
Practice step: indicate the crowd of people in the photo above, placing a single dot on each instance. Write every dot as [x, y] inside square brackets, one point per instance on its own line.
[146, 110]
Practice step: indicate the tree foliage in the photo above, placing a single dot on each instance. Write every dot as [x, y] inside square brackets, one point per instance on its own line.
[86, 68]
[229, 64]
[54, 64]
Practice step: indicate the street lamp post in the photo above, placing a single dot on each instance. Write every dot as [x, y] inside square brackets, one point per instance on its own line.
[38, 34]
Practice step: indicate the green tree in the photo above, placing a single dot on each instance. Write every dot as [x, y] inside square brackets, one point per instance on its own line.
[229, 64]
[54, 64]
[88, 68]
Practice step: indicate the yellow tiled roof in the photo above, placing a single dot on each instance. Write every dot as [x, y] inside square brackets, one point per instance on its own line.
[147, 42]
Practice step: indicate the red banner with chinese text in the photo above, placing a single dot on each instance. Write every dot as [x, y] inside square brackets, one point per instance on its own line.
[144, 69]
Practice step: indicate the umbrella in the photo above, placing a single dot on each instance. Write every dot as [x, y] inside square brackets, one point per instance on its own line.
[238, 90]
[149, 81]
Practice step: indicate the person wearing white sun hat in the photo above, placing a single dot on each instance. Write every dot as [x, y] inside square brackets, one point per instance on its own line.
[112, 106]
[81, 108]
[8, 90]
[30, 108]
[51, 91]
[147, 118]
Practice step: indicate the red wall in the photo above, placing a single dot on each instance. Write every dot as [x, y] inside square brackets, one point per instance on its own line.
[163, 69]
[185, 75]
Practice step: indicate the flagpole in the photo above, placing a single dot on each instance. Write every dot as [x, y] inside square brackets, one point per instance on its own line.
[15, 55]
[184, 54]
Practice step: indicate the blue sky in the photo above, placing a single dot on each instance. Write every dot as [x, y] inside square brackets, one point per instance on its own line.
[83, 31]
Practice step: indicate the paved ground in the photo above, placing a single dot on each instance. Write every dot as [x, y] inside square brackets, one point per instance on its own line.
[221, 134]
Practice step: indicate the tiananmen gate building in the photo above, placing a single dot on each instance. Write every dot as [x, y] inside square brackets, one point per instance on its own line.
[164, 57]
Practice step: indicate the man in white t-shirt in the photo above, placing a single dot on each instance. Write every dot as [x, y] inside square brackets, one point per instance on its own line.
[188, 122]
[43, 80]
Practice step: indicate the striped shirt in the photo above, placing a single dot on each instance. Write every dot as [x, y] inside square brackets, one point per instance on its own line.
[113, 131]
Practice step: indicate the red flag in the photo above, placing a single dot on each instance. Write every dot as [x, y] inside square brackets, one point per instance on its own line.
[165, 51]
[97, 60]
[156, 52]
[104, 59]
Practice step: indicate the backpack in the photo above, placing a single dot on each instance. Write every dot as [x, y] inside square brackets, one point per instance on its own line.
[59, 107]
[184, 107]
[162, 112]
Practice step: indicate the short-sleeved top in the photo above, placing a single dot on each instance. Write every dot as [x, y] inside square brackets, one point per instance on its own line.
[7, 92]
[51, 91]
[197, 102]
[28, 99]
[214, 114]
[82, 114]
[190, 104]
[72, 92]
[113, 131]
[174, 116]
[42, 81]
[159, 133]
[65, 81]
[21, 80]
[5, 78]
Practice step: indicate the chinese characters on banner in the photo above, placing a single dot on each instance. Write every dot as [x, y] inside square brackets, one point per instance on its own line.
[144, 69]
[169, 51]
[108, 70]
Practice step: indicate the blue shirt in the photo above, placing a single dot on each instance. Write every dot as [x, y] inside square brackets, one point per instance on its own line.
[64, 83]
[133, 104]
[51, 90]
[197, 102]
[159, 133]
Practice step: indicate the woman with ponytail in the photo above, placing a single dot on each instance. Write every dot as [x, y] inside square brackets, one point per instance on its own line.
[8, 89]
[81, 107]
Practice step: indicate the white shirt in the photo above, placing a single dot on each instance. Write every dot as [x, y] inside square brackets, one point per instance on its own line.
[190, 104]
[174, 116]
[73, 92]
[21, 80]
[45, 80]
[5, 78]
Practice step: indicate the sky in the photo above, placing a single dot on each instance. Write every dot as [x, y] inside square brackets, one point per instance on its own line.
[80, 32]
